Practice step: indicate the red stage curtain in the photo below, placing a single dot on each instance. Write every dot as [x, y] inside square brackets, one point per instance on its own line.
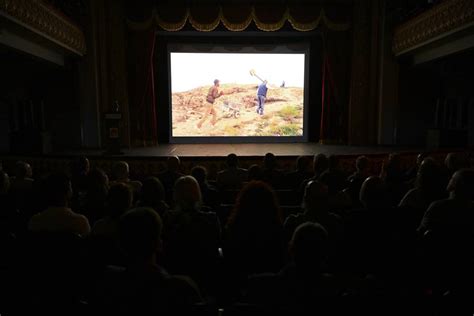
[329, 108]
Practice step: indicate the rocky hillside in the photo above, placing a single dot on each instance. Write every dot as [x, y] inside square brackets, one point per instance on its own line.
[236, 112]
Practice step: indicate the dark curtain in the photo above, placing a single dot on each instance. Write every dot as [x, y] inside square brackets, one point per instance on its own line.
[143, 123]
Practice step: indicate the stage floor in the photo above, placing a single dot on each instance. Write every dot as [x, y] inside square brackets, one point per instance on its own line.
[244, 150]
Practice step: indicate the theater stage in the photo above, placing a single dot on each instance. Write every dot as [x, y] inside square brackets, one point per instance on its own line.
[243, 150]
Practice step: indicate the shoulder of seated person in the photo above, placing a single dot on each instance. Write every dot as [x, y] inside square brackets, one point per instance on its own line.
[440, 203]
[290, 219]
[183, 282]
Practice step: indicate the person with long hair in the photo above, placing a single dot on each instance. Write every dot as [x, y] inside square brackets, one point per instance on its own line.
[254, 241]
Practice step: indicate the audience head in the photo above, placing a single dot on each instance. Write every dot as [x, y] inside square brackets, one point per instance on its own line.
[302, 163]
[255, 172]
[393, 169]
[461, 184]
[320, 164]
[80, 166]
[23, 170]
[315, 196]
[309, 246]
[200, 174]
[187, 194]
[98, 179]
[456, 161]
[373, 193]
[255, 205]
[362, 165]
[232, 161]
[119, 199]
[173, 163]
[269, 161]
[140, 233]
[4, 183]
[430, 178]
[58, 190]
[120, 170]
[152, 191]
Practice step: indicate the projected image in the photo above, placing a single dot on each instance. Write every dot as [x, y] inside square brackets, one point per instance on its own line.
[226, 94]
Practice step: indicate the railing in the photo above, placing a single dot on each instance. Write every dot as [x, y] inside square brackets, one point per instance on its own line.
[441, 20]
[43, 19]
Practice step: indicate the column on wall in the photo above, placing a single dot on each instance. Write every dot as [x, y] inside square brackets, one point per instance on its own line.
[362, 118]
[104, 77]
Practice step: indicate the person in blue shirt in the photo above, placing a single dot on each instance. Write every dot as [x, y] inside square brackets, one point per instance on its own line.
[261, 96]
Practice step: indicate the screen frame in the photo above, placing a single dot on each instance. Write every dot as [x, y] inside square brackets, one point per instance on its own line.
[281, 48]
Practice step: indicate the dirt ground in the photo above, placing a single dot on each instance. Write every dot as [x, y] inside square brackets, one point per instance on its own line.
[283, 114]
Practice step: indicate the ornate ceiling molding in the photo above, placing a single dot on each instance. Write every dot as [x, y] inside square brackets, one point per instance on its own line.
[441, 20]
[237, 18]
[46, 21]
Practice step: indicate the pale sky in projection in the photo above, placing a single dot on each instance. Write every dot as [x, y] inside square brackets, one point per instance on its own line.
[192, 70]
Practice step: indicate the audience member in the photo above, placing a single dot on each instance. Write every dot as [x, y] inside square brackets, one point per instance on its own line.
[320, 164]
[394, 179]
[254, 241]
[121, 173]
[169, 176]
[333, 177]
[412, 172]
[58, 217]
[357, 178]
[316, 208]
[94, 202]
[456, 161]
[255, 173]
[22, 187]
[143, 285]
[303, 280]
[153, 195]
[191, 237]
[294, 179]
[270, 172]
[210, 195]
[22, 180]
[232, 177]
[455, 212]
[80, 168]
[429, 187]
[366, 230]
[119, 200]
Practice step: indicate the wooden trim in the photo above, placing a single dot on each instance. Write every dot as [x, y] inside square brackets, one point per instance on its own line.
[44, 20]
[441, 20]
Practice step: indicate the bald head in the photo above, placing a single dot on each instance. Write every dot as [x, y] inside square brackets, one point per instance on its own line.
[456, 161]
[309, 246]
[121, 170]
[372, 192]
[315, 195]
[462, 184]
[173, 163]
